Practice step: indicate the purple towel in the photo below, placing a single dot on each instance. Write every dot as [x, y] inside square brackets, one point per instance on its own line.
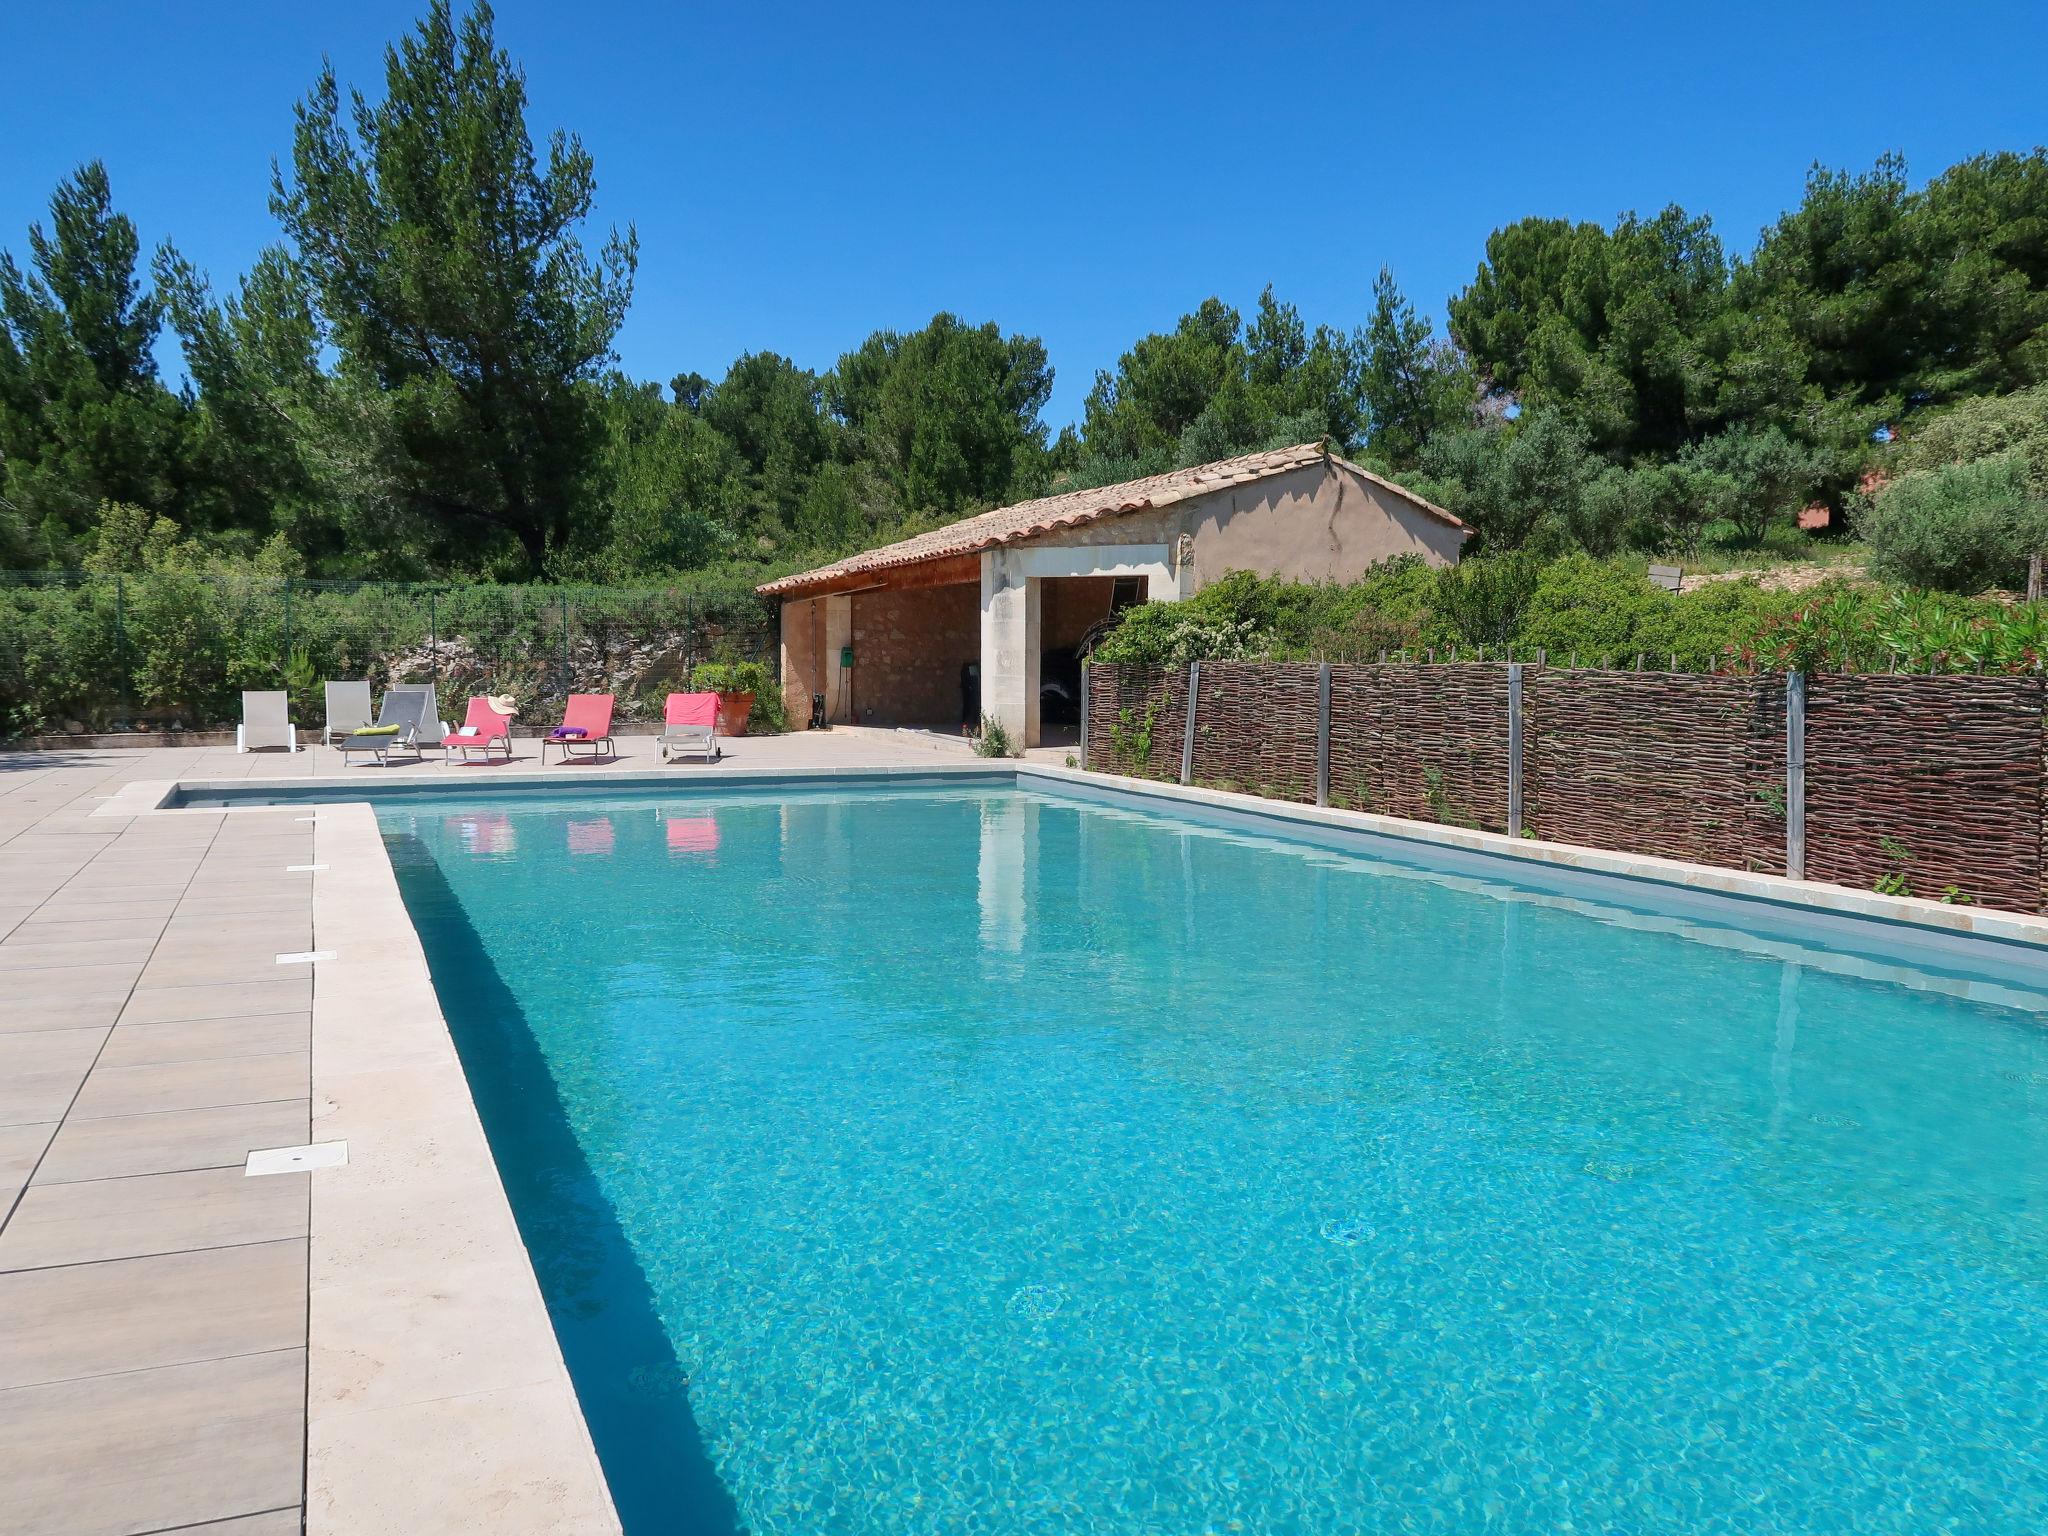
[567, 733]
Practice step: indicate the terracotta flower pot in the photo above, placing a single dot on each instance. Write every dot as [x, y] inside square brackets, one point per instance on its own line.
[733, 709]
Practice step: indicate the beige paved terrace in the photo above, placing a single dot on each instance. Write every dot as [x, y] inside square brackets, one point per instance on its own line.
[154, 1296]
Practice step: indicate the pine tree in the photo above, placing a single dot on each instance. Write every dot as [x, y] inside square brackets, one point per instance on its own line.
[1414, 386]
[83, 417]
[471, 326]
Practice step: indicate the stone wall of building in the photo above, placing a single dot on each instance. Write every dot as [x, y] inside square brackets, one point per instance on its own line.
[1069, 606]
[909, 647]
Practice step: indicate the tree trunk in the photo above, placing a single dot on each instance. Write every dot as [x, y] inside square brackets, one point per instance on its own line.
[2034, 577]
[534, 540]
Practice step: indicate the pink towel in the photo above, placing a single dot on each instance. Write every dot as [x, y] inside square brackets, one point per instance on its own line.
[691, 709]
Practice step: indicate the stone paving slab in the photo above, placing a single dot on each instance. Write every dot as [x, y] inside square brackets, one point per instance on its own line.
[220, 1000]
[98, 1220]
[164, 1309]
[21, 1147]
[172, 1141]
[209, 1084]
[156, 1450]
[256, 1034]
[41, 1071]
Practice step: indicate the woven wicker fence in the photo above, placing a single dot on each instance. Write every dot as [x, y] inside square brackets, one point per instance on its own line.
[1927, 783]
[1255, 728]
[1672, 764]
[1426, 742]
[1135, 719]
[1928, 786]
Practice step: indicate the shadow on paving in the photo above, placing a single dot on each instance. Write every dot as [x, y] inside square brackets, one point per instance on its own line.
[627, 1377]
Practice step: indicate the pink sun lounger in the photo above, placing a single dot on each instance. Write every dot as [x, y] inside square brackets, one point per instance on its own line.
[482, 729]
[586, 723]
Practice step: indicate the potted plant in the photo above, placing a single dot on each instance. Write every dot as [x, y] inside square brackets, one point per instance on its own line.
[736, 683]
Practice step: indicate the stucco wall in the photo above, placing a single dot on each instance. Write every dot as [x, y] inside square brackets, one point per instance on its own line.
[908, 649]
[1317, 523]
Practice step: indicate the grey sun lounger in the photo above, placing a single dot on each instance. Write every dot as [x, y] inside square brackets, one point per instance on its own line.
[404, 707]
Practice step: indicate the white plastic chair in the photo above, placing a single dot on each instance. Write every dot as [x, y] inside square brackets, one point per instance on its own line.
[266, 722]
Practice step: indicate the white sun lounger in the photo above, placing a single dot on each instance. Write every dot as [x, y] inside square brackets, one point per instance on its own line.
[348, 709]
[690, 727]
[266, 722]
[432, 730]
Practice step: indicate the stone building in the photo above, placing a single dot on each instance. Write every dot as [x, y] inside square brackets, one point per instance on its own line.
[985, 615]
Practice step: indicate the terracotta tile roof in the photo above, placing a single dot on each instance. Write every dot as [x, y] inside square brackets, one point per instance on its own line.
[1069, 509]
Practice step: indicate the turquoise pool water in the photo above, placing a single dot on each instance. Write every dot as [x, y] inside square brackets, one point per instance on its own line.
[970, 1160]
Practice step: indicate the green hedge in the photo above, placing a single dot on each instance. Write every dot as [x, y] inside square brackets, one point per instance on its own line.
[177, 645]
[1595, 612]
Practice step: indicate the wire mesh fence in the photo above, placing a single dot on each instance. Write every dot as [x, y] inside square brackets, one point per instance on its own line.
[174, 648]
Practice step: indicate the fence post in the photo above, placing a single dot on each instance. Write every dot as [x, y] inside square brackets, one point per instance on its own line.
[1187, 735]
[1514, 749]
[287, 660]
[1084, 714]
[1795, 775]
[121, 645]
[1323, 734]
[568, 687]
[434, 636]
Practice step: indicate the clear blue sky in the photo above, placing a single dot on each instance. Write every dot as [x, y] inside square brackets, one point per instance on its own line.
[802, 175]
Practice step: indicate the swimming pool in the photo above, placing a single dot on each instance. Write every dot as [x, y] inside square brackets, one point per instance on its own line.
[970, 1158]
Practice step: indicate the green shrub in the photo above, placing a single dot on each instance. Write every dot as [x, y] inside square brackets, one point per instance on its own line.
[1607, 613]
[1748, 477]
[1983, 428]
[1521, 483]
[1698, 626]
[181, 639]
[1959, 527]
[1485, 601]
[1369, 633]
[1848, 629]
[994, 740]
[1174, 634]
[732, 677]
[1596, 610]
[177, 630]
[61, 658]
